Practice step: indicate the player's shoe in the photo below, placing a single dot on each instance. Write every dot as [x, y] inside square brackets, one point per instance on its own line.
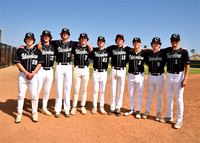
[35, 117]
[57, 115]
[73, 111]
[145, 115]
[94, 110]
[46, 112]
[101, 110]
[158, 116]
[67, 114]
[117, 112]
[130, 112]
[138, 116]
[83, 110]
[166, 119]
[178, 125]
[18, 118]
[111, 112]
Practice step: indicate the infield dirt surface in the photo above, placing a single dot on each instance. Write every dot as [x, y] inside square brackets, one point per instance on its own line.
[95, 128]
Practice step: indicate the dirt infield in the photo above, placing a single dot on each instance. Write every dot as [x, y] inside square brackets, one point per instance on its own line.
[94, 128]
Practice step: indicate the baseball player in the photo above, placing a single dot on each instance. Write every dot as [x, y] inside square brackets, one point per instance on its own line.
[28, 60]
[100, 58]
[45, 74]
[137, 58]
[118, 55]
[176, 80]
[81, 73]
[156, 61]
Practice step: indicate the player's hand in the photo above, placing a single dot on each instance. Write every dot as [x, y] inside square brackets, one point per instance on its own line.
[183, 83]
[124, 45]
[90, 49]
[78, 44]
[29, 76]
[21, 47]
[39, 46]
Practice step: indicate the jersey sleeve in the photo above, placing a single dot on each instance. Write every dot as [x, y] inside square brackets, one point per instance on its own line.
[109, 49]
[18, 58]
[73, 44]
[40, 57]
[185, 57]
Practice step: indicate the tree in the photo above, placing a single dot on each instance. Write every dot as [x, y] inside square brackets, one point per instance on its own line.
[193, 52]
[145, 46]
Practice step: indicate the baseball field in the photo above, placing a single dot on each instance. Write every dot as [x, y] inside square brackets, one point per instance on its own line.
[95, 128]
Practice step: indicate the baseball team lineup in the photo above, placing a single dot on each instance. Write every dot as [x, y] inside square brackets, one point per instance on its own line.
[35, 64]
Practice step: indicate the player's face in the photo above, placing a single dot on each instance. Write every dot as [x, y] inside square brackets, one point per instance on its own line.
[101, 43]
[136, 45]
[64, 35]
[46, 38]
[83, 40]
[29, 41]
[156, 46]
[175, 43]
[119, 41]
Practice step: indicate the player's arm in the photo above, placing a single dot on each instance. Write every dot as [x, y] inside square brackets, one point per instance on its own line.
[187, 70]
[22, 69]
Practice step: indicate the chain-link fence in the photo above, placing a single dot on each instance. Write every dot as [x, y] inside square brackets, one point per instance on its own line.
[7, 54]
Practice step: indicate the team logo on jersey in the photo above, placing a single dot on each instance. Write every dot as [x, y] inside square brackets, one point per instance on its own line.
[100, 54]
[116, 52]
[47, 52]
[155, 58]
[175, 55]
[61, 50]
[132, 57]
[32, 56]
[79, 52]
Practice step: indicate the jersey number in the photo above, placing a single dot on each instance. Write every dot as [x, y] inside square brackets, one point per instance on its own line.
[123, 57]
[34, 62]
[158, 64]
[51, 58]
[86, 57]
[104, 59]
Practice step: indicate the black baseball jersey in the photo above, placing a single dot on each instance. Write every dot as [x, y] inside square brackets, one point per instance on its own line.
[100, 58]
[28, 58]
[48, 54]
[136, 61]
[156, 61]
[81, 56]
[176, 59]
[118, 55]
[63, 51]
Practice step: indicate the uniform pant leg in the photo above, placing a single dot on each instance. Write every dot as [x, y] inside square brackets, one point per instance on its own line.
[67, 87]
[22, 87]
[102, 88]
[169, 94]
[113, 82]
[159, 91]
[40, 80]
[95, 87]
[84, 84]
[150, 92]
[47, 87]
[59, 76]
[76, 85]
[131, 90]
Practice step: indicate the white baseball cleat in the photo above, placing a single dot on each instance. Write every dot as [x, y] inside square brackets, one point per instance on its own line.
[101, 110]
[18, 118]
[83, 110]
[94, 110]
[178, 125]
[138, 116]
[145, 115]
[57, 115]
[73, 111]
[166, 119]
[35, 117]
[46, 112]
[158, 116]
[130, 112]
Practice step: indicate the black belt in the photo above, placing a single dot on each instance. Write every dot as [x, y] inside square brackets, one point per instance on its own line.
[100, 70]
[47, 68]
[155, 74]
[174, 72]
[136, 73]
[64, 63]
[78, 66]
[118, 68]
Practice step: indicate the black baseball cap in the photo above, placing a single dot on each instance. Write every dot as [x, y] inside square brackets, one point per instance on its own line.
[136, 39]
[156, 39]
[101, 38]
[83, 35]
[46, 32]
[29, 35]
[119, 36]
[65, 30]
[175, 37]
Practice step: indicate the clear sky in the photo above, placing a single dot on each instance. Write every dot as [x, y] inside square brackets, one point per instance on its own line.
[132, 18]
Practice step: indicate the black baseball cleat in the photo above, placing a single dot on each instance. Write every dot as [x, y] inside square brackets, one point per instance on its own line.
[110, 112]
[117, 112]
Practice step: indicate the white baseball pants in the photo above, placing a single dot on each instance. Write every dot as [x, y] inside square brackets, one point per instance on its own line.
[45, 77]
[117, 83]
[173, 84]
[99, 82]
[80, 79]
[135, 84]
[155, 83]
[63, 73]
[22, 86]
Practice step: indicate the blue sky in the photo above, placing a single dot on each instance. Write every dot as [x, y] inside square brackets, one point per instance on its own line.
[132, 18]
